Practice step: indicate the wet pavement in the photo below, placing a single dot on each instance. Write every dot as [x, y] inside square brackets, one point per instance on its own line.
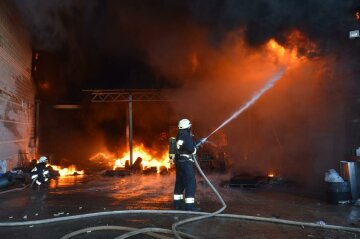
[88, 194]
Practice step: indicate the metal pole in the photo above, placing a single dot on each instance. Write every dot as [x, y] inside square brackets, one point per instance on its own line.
[130, 131]
[37, 124]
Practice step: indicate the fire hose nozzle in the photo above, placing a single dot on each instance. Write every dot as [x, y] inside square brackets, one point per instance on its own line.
[200, 142]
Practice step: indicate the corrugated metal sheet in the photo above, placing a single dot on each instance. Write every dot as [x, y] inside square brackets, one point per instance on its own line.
[16, 89]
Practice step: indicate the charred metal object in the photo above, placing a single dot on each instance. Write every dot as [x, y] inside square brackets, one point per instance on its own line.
[248, 181]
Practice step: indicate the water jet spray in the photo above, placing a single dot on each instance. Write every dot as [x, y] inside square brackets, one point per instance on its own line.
[269, 85]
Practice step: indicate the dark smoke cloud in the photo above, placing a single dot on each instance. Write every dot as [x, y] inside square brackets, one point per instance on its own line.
[53, 24]
[214, 53]
[325, 21]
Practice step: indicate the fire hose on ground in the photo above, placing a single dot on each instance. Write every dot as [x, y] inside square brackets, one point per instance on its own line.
[153, 232]
[14, 190]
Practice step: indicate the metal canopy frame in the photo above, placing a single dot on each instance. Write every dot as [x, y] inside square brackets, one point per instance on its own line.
[123, 95]
[130, 96]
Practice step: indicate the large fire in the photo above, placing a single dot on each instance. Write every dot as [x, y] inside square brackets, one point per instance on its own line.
[297, 47]
[71, 170]
[149, 158]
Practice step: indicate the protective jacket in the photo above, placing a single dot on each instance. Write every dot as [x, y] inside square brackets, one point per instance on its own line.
[185, 174]
[185, 145]
[40, 173]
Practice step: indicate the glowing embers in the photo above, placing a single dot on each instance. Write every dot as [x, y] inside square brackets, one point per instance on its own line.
[71, 170]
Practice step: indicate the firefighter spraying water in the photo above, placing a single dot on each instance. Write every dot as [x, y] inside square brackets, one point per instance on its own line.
[182, 151]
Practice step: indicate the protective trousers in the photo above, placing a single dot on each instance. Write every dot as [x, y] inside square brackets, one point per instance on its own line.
[185, 180]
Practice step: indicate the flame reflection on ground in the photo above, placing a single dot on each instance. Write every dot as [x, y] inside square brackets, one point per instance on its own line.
[66, 181]
[146, 192]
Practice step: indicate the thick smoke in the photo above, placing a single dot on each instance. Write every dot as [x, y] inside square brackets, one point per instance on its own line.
[216, 54]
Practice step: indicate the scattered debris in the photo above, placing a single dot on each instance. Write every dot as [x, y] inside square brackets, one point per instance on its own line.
[321, 223]
[150, 170]
[117, 172]
[163, 170]
[25, 217]
[344, 202]
[11, 217]
[250, 181]
[58, 214]
[31, 226]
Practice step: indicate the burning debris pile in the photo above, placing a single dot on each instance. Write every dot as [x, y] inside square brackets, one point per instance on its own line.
[146, 161]
[64, 171]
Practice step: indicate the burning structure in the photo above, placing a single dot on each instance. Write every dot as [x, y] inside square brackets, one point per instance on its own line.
[272, 85]
[218, 58]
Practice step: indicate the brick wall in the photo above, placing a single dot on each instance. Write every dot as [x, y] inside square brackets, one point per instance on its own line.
[16, 89]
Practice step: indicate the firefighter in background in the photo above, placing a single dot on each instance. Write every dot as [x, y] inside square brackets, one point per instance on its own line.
[185, 174]
[40, 173]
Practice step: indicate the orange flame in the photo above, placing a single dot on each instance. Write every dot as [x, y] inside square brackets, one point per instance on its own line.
[71, 170]
[357, 15]
[296, 42]
[271, 175]
[150, 158]
[280, 50]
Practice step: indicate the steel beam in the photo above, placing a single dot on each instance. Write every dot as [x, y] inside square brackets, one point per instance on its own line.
[130, 96]
[101, 96]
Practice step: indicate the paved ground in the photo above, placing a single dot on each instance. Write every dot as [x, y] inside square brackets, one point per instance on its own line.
[80, 195]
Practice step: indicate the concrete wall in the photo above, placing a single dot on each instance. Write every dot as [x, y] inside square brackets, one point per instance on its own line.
[17, 90]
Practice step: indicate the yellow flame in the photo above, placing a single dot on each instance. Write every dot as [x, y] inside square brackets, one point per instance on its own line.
[290, 54]
[147, 156]
[71, 170]
[276, 47]
[283, 54]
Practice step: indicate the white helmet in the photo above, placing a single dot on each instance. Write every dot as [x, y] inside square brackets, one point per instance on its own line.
[42, 159]
[184, 124]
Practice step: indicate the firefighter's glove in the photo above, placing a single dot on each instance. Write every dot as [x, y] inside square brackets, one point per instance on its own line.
[172, 158]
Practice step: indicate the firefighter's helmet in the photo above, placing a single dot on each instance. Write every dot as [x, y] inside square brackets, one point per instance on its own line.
[184, 124]
[42, 159]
